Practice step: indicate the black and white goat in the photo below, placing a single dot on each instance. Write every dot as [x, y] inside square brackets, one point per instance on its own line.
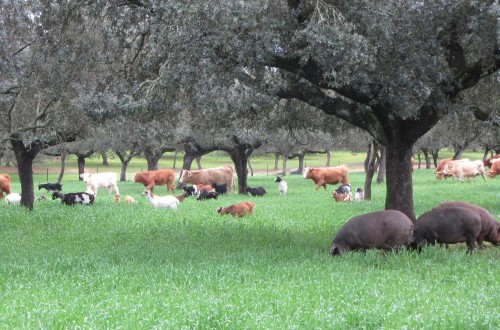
[282, 186]
[74, 198]
[205, 194]
[50, 186]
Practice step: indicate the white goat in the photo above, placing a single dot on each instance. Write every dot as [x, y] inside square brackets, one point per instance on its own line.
[282, 186]
[161, 201]
[13, 198]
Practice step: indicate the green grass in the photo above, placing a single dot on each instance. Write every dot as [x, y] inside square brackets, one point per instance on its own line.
[132, 267]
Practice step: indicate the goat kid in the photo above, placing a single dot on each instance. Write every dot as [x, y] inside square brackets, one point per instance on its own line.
[74, 198]
[282, 186]
[161, 201]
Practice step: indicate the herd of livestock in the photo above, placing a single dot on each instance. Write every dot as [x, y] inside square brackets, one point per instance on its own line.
[447, 223]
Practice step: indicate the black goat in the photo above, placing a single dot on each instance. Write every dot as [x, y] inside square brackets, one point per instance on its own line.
[259, 191]
[74, 198]
[50, 186]
[220, 188]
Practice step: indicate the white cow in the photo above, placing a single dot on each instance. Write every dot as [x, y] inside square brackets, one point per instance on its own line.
[464, 170]
[98, 180]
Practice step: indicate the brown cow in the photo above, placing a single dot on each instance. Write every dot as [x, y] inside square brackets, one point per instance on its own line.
[488, 162]
[156, 178]
[209, 176]
[327, 175]
[237, 210]
[494, 170]
[4, 185]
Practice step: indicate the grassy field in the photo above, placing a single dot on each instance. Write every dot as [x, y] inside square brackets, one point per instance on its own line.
[124, 266]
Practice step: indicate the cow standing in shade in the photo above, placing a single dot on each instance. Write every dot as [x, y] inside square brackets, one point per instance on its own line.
[219, 175]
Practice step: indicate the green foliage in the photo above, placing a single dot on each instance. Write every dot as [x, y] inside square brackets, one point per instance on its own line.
[130, 266]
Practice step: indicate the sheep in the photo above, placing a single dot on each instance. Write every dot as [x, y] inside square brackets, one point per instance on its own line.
[13, 198]
[74, 198]
[161, 201]
[282, 186]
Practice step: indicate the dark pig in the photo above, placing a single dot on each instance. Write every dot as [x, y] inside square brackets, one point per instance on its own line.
[490, 228]
[448, 226]
[385, 230]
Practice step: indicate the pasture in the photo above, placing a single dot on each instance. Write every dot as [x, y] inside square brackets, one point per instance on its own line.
[130, 266]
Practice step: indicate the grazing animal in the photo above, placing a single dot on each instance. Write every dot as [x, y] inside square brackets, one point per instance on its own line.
[4, 184]
[386, 230]
[322, 176]
[13, 198]
[237, 210]
[259, 191]
[205, 194]
[359, 195]
[74, 198]
[42, 198]
[200, 187]
[346, 197]
[94, 181]
[461, 170]
[343, 189]
[220, 188]
[161, 201]
[490, 228]
[489, 162]
[447, 225]
[156, 178]
[127, 199]
[442, 163]
[182, 197]
[494, 170]
[209, 176]
[190, 190]
[50, 186]
[282, 186]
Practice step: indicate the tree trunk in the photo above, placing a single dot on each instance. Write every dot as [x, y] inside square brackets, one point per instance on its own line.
[381, 165]
[152, 160]
[81, 165]
[458, 151]
[301, 163]
[276, 160]
[240, 160]
[284, 161]
[24, 157]
[174, 166]
[250, 167]
[63, 166]
[435, 156]
[369, 170]
[399, 178]
[198, 162]
[104, 156]
[328, 157]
